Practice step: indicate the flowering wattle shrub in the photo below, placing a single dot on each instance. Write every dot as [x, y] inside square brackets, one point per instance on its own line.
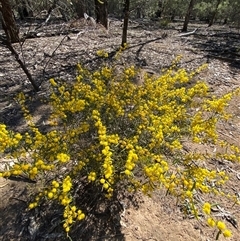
[110, 131]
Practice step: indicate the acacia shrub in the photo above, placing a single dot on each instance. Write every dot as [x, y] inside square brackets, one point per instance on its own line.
[109, 131]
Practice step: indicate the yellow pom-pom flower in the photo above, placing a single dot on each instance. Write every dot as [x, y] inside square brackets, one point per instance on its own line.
[207, 208]
[227, 233]
[221, 225]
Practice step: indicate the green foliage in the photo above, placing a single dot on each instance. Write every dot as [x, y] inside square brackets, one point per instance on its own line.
[175, 8]
[164, 22]
[227, 9]
[116, 135]
[204, 9]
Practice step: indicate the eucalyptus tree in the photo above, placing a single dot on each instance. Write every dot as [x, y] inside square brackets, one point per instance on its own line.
[188, 15]
[101, 12]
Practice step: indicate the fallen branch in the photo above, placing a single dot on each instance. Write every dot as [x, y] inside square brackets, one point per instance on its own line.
[187, 34]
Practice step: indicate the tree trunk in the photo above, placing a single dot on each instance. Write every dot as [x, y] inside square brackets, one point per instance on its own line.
[101, 12]
[187, 16]
[8, 22]
[12, 31]
[125, 22]
[214, 14]
[80, 8]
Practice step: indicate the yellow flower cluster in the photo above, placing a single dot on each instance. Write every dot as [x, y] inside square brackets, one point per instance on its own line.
[156, 176]
[8, 139]
[130, 72]
[109, 131]
[130, 163]
[218, 105]
[203, 130]
[221, 226]
[120, 50]
[92, 176]
[67, 184]
[102, 53]
[58, 190]
[71, 214]
[62, 157]
[105, 141]
[21, 100]
[207, 208]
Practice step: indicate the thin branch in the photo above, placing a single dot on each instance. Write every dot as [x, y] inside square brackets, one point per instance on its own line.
[66, 36]
[23, 66]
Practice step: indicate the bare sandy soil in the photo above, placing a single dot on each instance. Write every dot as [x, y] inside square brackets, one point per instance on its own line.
[54, 52]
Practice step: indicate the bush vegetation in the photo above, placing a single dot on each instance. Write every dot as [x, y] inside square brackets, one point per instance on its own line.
[116, 135]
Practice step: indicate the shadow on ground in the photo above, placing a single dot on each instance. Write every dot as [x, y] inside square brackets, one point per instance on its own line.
[44, 223]
[222, 45]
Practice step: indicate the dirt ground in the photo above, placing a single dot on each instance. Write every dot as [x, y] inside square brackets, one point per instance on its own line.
[53, 52]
